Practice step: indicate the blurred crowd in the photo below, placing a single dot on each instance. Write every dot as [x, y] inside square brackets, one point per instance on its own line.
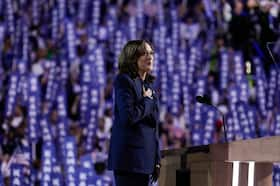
[68, 50]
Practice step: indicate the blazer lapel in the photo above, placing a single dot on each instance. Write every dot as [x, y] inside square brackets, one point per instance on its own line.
[138, 87]
[157, 99]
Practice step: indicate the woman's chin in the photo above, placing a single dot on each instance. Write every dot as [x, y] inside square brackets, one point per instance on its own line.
[148, 70]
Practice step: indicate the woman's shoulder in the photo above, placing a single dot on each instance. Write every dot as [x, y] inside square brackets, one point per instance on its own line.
[123, 78]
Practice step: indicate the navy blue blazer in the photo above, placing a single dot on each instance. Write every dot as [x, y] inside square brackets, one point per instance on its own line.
[134, 144]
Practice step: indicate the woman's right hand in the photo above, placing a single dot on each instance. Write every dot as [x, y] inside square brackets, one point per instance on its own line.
[147, 93]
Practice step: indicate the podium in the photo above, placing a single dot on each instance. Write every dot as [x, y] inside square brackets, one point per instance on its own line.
[171, 161]
[238, 163]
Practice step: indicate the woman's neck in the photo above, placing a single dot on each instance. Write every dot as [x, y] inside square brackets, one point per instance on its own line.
[142, 75]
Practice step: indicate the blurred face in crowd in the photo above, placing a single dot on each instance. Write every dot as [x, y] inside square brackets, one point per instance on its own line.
[238, 7]
[101, 124]
[251, 3]
[7, 44]
[18, 111]
[54, 116]
[146, 60]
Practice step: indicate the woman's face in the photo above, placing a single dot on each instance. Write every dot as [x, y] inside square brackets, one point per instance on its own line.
[146, 61]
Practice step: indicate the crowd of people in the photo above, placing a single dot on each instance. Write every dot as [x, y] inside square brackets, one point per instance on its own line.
[58, 60]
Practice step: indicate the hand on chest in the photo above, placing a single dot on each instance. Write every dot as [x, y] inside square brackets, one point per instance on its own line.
[144, 90]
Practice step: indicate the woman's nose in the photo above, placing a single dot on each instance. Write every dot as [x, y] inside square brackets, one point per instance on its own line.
[149, 55]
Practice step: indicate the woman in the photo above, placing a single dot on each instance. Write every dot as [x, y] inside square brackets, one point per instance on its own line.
[134, 148]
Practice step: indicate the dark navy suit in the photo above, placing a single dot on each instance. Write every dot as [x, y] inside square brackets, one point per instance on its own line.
[134, 145]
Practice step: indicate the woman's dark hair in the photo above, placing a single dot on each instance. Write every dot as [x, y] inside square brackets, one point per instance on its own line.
[129, 56]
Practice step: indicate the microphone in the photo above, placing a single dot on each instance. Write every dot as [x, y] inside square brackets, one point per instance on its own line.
[205, 99]
[275, 49]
